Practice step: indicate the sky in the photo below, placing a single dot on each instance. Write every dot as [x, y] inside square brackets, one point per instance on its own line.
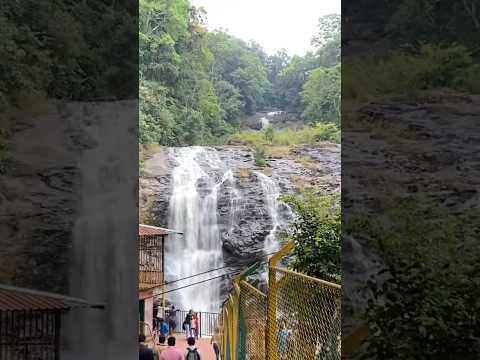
[274, 24]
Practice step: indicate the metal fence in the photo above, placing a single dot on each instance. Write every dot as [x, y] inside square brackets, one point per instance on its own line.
[206, 322]
[298, 319]
[29, 335]
[304, 318]
[151, 250]
[251, 323]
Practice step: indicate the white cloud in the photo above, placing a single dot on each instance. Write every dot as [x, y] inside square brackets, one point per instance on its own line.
[274, 24]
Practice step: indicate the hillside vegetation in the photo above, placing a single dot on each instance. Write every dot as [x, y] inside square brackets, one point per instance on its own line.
[196, 85]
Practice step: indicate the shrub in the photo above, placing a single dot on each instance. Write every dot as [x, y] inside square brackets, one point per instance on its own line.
[316, 233]
[429, 67]
[260, 156]
[269, 134]
[247, 137]
[287, 137]
[426, 307]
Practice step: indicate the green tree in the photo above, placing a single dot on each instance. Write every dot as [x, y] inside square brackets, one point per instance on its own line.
[321, 95]
[179, 102]
[242, 65]
[230, 100]
[327, 41]
[316, 233]
[290, 82]
[289, 76]
[269, 134]
[275, 64]
[260, 156]
[55, 49]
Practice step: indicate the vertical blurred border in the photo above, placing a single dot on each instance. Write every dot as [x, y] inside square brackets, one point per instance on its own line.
[410, 105]
[69, 177]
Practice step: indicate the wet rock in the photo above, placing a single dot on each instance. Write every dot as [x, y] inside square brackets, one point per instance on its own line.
[244, 220]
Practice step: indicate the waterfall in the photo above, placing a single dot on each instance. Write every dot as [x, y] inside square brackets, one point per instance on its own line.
[104, 262]
[235, 196]
[193, 211]
[271, 193]
[265, 122]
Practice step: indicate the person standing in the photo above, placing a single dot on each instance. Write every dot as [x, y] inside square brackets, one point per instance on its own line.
[162, 344]
[171, 353]
[192, 352]
[194, 327]
[164, 328]
[187, 324]
[172, 322]
[144, 352]
[156, 315]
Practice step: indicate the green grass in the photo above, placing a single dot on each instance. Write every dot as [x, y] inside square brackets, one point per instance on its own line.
[288, 137]
[403, 72]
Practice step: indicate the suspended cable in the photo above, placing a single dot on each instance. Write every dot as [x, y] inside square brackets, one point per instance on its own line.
[205, 272]
[199, 282]
[206, 280]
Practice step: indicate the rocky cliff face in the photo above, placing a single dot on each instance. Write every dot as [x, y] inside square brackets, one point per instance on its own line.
[68, 217]
[244, 219]
[416, 148]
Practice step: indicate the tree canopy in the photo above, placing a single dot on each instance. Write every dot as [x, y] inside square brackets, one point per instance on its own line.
[63, 49]
[316, 233]
[195, 84]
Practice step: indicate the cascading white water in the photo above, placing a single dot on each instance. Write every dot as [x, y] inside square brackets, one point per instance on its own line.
[194, 212]
[265, 122]
[236, 199]
[104, 262]
[273, 113]
[271, 192]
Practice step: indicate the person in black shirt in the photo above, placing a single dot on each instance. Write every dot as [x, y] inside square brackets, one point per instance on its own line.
[144, 352]
[172, 315]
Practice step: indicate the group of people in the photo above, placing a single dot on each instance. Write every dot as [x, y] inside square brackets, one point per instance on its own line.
[168, 326]
[168, 351]
[191, 325]
[165, 328]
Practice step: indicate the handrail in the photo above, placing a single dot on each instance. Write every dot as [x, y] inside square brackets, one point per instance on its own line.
[234, 348]
[252, 288]
[320, 281]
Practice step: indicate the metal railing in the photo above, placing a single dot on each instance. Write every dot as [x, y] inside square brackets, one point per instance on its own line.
[29, 335]
[150, 278]
[206, 322]
[298, 319]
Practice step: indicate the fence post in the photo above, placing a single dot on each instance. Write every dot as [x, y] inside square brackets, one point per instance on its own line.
[235, 317]
[271, 341]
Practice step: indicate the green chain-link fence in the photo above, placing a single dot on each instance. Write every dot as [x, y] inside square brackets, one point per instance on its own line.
[304, 319]
[298, 319]
[251, 323]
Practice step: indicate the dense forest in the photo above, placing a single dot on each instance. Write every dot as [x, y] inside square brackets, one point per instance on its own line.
[409, 45]
[73, 50]
[195, 85]
[413, 64]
